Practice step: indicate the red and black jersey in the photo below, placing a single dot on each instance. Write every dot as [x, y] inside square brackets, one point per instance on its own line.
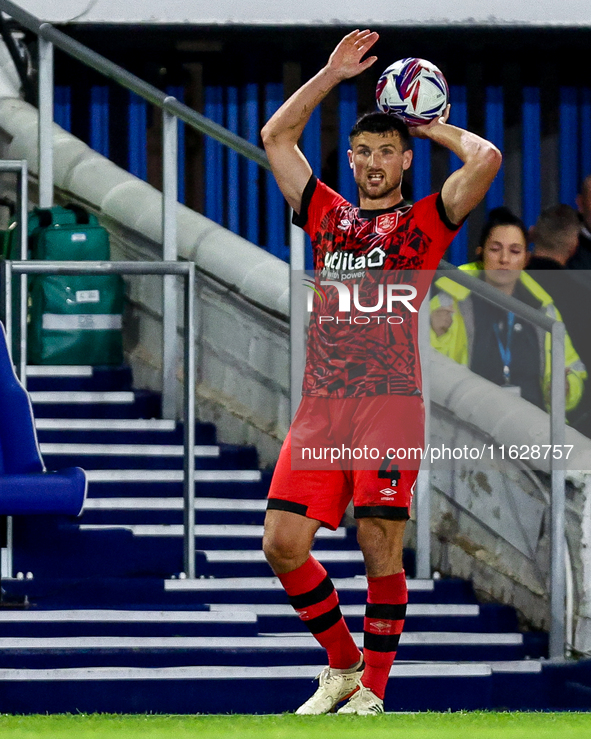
[354, 351]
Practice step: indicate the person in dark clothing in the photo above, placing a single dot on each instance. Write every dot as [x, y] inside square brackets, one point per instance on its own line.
[581, 259]
[556, 239]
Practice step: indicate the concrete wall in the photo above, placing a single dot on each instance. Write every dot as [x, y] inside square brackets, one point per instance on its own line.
[490, 522]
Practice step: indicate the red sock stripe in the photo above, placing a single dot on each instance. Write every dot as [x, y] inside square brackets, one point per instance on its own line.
[304, 578]
[318, 609]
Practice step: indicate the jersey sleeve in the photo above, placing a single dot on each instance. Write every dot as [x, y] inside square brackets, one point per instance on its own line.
[432, 219]
[317, 200]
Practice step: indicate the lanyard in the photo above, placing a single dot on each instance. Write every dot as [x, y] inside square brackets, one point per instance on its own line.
[505, 350]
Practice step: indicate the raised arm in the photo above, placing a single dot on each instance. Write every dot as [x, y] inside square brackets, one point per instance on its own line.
[283, 130]
[467, 186]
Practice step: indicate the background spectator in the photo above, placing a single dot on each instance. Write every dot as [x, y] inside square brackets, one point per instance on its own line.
[495, 343]
[582, 257]
[556, 237]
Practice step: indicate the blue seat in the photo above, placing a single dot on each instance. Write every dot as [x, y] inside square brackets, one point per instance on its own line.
[25, 485]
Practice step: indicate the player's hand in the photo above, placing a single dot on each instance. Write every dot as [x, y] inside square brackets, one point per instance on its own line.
[441, 320]
[425, 131]
[345, 60]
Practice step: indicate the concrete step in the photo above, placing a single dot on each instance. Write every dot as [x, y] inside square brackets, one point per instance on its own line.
[250, 689]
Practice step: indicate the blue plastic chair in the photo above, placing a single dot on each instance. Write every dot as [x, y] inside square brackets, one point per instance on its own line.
[25, 485]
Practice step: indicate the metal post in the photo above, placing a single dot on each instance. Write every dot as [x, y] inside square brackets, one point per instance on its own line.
[169, 249]
[8, 303]
[24, 303]
[21, 170]
[297, 325]
[45, 123]
[6, 563]
[557, 506]
[423, 500]
[189, 427]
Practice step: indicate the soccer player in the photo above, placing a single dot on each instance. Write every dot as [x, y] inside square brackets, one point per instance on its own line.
[359, 396]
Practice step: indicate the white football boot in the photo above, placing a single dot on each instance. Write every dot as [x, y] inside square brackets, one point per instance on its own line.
[363, 703]
[334, 686]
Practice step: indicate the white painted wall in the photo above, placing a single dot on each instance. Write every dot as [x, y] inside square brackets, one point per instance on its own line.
[312, 12]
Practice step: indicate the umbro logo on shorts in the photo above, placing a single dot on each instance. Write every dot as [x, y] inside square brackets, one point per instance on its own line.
[388, 491]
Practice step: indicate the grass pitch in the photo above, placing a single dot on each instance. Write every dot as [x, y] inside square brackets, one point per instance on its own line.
[462, 725]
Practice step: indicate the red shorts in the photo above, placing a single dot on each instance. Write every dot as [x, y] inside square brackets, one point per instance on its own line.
[365, 449]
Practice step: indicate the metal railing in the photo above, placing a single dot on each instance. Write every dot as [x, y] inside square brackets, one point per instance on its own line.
[21, 170]
[172, 111]
[172, 269]
[557, 331]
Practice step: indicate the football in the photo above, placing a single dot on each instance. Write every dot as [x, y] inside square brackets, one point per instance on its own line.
[414, 90]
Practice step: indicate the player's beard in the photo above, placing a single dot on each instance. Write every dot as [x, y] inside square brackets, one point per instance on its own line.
[385, 190]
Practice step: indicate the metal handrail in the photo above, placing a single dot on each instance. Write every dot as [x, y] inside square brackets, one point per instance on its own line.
[557, 331]
[130, 81]
[172, 111]
[182, 269]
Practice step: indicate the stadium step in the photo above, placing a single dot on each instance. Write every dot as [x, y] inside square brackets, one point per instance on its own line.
[70, 378]
[119, 431]
[96, 404]
[249, 689]
[260, 650]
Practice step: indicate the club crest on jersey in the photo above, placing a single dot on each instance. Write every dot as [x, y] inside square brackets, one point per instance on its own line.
[387, 222]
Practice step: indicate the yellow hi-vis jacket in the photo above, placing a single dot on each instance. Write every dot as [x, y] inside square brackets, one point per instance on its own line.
[457, 342]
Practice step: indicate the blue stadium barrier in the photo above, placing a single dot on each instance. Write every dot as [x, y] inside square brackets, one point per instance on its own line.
[247, 201]
[347, 118]
[213, 180]
[275, 217]
[568, 145]
[458, 250]
[232, 177]
[250, 131]
[62, 106]
[531, 153]
[137, 136]
[421, 168]
[99, 119]
[311, 146]
[494, 132]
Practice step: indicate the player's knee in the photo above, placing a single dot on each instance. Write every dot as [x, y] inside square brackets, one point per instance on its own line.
[283, 552]
[372, 533]
[380, 541]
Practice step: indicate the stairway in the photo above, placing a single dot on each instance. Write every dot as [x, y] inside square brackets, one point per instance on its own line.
[113, 625]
